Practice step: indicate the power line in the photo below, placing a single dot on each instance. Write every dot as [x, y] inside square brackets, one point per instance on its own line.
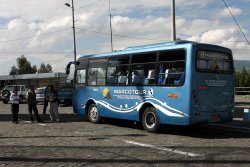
[123, 36]
[97, 32]
[69, 52]
[35, 52]
[236, 21]
[28, 37]
[88, 5]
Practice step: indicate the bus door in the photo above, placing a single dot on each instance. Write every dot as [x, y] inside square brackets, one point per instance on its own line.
[214, 82]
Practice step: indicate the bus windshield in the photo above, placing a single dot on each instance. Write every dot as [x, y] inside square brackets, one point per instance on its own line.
[215, 62]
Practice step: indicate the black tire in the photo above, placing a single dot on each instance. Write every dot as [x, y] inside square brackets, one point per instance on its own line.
[6, 93]
[150, 120]
[5, 101]
[93, 114]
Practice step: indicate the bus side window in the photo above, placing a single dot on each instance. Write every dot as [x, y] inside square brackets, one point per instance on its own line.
[166, 77]
[136, 78]
[143, 68]
[80, 76]
[101, 76]
[150, 79]
[181, 80]
[111, 78]
[92, 74]
[122, 80]
[172, 67]
[122, 75]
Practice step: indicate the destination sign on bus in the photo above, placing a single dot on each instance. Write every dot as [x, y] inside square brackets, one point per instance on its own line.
[207, 55]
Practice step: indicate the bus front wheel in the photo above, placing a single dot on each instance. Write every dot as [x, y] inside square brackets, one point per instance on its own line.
[93, 114]
[150, 120]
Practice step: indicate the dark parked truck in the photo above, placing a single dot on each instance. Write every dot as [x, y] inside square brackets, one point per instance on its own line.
[65, 95]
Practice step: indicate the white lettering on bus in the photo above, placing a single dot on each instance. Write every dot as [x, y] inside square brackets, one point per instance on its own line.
[129, 91]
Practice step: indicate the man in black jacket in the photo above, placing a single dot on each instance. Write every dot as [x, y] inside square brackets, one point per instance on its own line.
[31, 101]
[52, 96]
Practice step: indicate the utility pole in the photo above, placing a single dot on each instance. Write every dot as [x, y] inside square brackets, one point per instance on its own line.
[110, 25]
[74, 32]
[173, 21]
[74, 35]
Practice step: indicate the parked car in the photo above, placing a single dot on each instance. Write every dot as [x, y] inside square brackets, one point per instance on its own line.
[8, 89]
[65, 95]
[40, 94]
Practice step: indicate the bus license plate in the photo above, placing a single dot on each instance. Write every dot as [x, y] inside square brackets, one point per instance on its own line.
[215, 118]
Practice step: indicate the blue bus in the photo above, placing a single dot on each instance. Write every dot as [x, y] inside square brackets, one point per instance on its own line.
[176, 83]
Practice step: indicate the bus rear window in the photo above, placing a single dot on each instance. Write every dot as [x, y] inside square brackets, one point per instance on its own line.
[209, 61]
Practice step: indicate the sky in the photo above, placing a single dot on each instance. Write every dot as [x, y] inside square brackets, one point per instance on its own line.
[41, 30]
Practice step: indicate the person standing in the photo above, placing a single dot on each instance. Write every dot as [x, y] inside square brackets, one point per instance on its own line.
[14, 99]
[31, 100]
[52, 99]
[45, 104]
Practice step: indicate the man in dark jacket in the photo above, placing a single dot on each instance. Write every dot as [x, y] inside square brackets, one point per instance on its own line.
[31, 101]
[45, 104]
[52, 96]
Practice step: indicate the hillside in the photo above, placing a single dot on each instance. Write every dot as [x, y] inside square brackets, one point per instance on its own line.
[239, 64]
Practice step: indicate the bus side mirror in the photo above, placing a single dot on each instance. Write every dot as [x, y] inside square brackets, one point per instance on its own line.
[67, 70]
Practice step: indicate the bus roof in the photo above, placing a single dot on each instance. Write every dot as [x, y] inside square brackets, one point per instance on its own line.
[145, 48]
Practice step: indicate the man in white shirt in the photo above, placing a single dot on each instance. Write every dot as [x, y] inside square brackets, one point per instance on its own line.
[14, 99]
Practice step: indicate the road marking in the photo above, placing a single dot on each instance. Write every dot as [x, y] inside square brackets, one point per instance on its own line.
[27, 122]
[163, 148]
[41, 124]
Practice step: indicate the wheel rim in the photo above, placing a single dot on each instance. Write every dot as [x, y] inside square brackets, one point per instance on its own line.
[94, 113]
[150, 120]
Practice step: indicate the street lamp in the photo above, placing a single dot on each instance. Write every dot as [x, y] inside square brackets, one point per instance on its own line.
[74, 37]
[73, 23]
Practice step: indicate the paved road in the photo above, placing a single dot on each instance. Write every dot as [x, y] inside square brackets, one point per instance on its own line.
[75, 142]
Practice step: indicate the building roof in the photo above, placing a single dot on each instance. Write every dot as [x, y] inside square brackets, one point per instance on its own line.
[33, 76]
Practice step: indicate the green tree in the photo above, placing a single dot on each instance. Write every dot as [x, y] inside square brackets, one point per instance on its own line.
[45, 68]
[244, 78]
[23, 67]
[49, 68]
[13, 70]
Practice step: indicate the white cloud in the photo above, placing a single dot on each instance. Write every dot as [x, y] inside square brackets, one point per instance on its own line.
[214, 36]
[226, 13]
[148, 20]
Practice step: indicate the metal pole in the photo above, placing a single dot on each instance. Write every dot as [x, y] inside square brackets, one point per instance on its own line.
[173, 21]
[110, 25]
[74, 40]
[74, 34]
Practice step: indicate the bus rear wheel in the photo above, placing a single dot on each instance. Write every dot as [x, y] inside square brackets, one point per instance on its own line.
[93, 114]
[150, 120]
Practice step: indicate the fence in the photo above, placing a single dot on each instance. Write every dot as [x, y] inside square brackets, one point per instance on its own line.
[242, 90]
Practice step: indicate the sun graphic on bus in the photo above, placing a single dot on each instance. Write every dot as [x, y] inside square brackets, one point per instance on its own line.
[106, 93]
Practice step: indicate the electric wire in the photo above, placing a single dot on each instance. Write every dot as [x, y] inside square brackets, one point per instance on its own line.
[236, 21]
[117, 35]
[39, 35]
[85, 6]
[97, 32]
[122, 36]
